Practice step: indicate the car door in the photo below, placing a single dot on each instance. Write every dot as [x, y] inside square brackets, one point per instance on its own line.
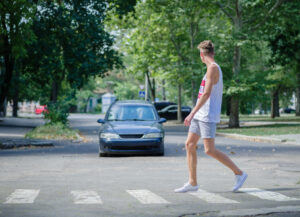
[185, 111]
[172, 113]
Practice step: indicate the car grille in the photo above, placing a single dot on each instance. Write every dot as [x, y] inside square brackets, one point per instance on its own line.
[149, 147]
[131, 136]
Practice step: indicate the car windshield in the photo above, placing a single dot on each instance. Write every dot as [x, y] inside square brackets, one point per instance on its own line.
[131, 113]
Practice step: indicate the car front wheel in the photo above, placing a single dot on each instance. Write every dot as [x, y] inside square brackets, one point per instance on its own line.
[103, 154]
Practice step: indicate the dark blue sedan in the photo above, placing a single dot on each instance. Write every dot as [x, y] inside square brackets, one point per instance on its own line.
[131, 127]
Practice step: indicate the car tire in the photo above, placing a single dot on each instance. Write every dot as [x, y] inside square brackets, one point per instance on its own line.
[103, 154]
[161, 154]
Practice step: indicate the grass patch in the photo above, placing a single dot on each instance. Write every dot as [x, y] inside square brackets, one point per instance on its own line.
[266, 130]
[282, 118]
[53, 131]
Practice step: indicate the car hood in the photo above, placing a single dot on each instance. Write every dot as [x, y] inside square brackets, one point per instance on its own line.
[132, 127]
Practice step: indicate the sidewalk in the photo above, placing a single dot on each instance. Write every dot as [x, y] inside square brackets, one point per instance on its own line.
[291, 139]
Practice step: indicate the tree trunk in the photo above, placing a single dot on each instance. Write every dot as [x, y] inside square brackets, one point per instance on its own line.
[234, 102]
[15, 102]
[298, 93]
[151, 86]
[54, 92]
[8, 72]
[3, 106]
[228, 103]
[153, 94]
[164, 90]
[234, 112]
[16, 92]
[194, 98]
[275, 103]
[193, 32]
[179, 115]
[146, 87]
[87, 105]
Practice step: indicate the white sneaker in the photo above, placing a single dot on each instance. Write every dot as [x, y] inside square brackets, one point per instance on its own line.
[239, 181]
[186, 187]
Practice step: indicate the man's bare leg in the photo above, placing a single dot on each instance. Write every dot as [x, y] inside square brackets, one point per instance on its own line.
[209, 146]
[191, 153]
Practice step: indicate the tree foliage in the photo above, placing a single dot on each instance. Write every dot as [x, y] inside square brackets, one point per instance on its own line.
[15, 34]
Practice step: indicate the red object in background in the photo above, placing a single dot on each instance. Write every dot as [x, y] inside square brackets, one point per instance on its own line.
[40, 109]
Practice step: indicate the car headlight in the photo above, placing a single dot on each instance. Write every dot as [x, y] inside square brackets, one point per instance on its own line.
[153, 135]
[109, 136]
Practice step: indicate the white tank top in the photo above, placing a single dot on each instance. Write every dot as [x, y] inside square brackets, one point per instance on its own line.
[211, 110]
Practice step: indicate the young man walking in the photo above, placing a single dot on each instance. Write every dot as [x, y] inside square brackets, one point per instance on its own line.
[203, 119]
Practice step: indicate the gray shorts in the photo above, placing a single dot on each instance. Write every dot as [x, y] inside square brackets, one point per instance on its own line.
[205, 130]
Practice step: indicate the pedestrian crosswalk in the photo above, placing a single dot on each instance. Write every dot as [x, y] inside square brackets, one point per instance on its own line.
[22, 196]
[86, 197]
[267, 195]
[144, 196]
[211, 197]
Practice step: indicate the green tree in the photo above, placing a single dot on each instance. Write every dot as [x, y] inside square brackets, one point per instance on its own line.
[246, 17]
[284, 41]
[16, 18]
[71, 45]
[161, 38]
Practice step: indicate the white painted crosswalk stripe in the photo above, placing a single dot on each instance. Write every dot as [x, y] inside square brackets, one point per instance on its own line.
[147, 197]
[211, 197]
[20, 196]
[27, 196]
[86, 197]
[267, 195]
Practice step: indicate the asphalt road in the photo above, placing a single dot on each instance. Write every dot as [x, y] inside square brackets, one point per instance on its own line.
[70, 180]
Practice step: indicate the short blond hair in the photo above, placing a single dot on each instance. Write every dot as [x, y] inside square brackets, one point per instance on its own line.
[207, 47]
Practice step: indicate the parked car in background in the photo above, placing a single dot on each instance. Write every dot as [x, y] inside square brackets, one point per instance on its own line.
[162, 104]
[289, 110]
[170, 112]
[131, 127]
[41, 109]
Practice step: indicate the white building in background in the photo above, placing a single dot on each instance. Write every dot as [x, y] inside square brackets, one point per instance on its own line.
[293, 101]
[92, 103]
[24, 107]
[107, 99]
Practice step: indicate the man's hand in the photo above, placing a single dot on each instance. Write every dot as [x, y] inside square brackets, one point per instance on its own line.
[188, 119]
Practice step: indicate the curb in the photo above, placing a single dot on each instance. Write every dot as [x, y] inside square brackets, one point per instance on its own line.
[251, 138]
[21, 143]
[79, 139]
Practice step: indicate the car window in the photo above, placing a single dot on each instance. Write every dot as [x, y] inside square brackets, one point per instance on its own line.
[131, 112]
[170, 107]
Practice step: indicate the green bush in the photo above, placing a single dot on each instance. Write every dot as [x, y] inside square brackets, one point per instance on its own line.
[57, 113]
[98, 108]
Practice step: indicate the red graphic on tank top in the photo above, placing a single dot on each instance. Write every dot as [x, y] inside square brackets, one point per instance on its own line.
[201, 90]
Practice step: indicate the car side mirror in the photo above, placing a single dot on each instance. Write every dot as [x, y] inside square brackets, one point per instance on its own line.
[100, 121]
[162, 120]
